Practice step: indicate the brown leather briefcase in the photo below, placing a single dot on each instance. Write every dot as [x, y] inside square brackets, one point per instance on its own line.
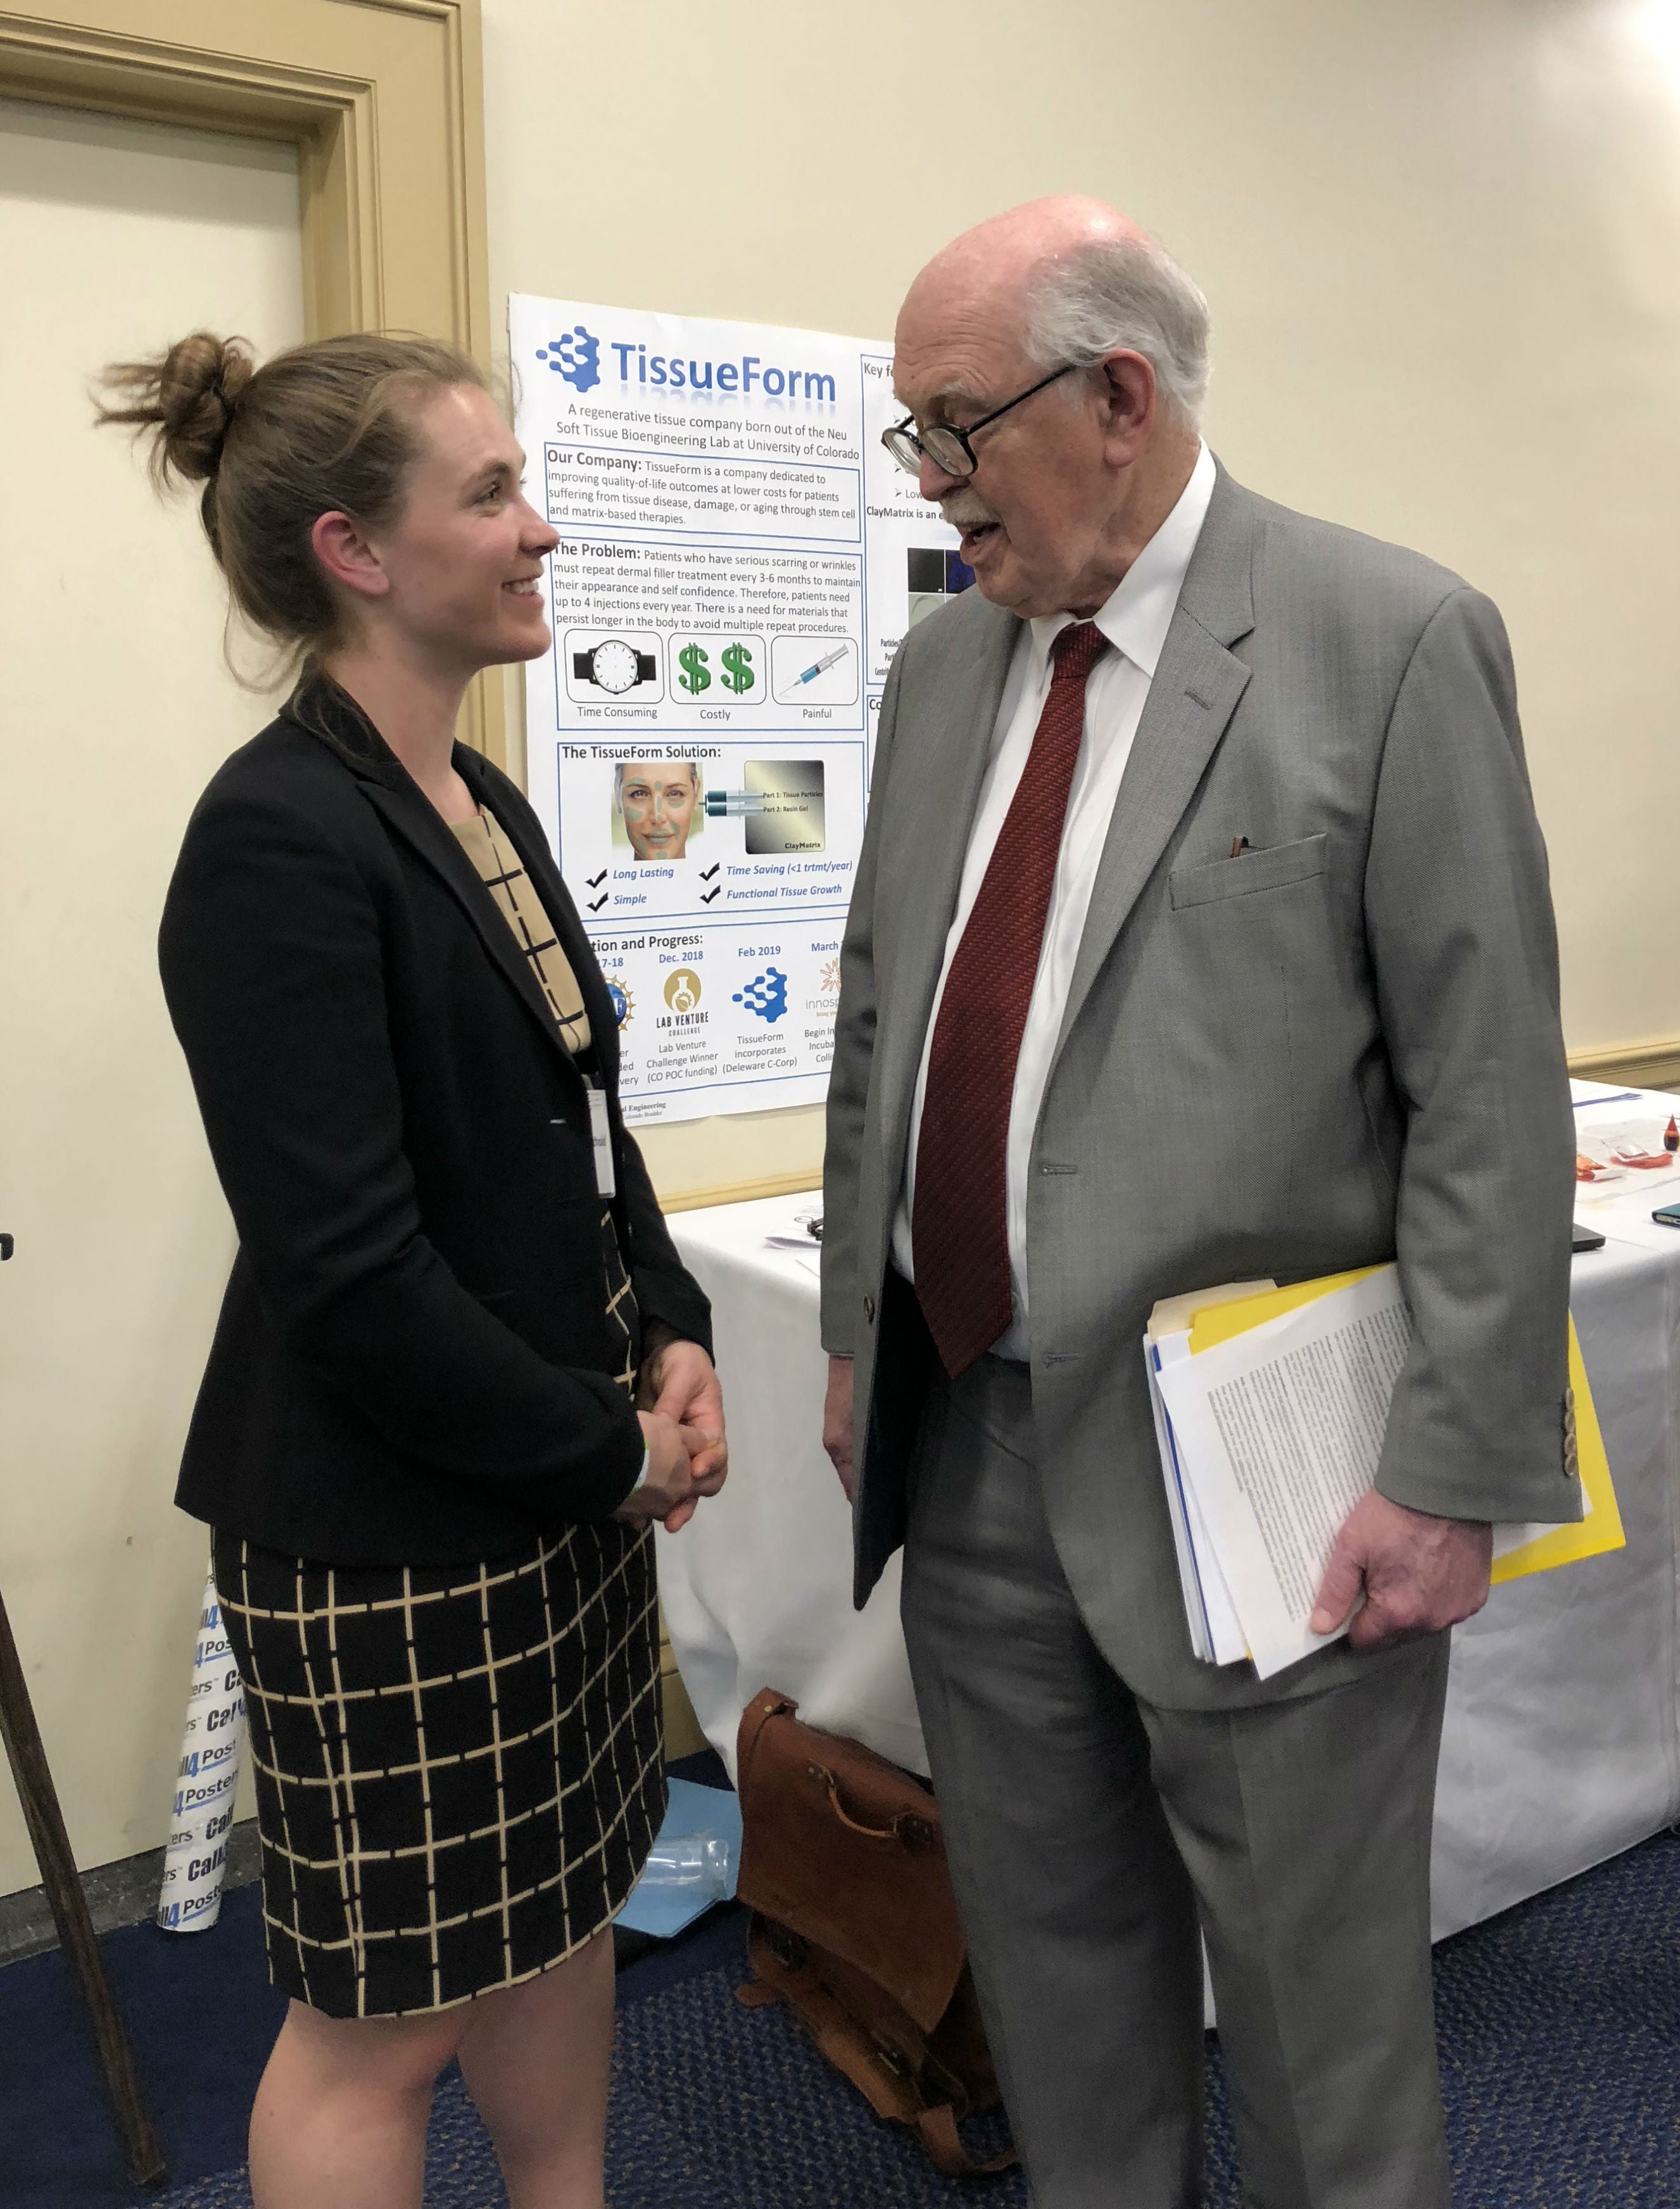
[855, 1926]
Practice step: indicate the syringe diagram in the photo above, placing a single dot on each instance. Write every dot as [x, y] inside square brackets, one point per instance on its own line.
[814, 671]
[782, 807]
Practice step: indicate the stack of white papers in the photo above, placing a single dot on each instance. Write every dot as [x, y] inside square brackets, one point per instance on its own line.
[1216, 1635]
[1270, 1411]
[1273, 1437]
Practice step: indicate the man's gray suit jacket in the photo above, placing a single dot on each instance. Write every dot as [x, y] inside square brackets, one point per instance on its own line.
[1340, 1048]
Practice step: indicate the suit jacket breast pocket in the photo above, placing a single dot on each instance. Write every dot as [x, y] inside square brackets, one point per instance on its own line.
[1273, 869]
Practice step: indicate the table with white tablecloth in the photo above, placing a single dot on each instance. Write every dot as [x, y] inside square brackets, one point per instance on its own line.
[1561, 1744]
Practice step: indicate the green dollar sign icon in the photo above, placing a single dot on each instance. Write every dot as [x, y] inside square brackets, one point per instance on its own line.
[692, 661]
[737, 672]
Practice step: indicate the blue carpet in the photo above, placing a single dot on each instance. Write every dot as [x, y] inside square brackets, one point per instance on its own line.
[1560, 2041]
[202, 2018]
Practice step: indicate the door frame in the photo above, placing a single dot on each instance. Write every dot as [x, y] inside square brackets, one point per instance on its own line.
[383, 100]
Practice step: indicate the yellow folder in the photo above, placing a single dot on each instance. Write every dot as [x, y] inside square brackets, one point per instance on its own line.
[1590, 1537]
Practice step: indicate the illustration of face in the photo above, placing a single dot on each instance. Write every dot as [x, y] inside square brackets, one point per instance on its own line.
[657, 798]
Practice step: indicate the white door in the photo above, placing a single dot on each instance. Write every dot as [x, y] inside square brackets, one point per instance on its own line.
[115, 708]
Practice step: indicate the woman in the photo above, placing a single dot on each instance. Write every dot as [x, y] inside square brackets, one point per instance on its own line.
[417, 1440]
[656, 800]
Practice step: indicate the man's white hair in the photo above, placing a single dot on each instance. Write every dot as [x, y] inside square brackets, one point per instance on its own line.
[1123, 295]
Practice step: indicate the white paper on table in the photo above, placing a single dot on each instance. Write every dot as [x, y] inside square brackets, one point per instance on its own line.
[1280, 1431]
[789, 1220]
[1603, 1120]
[1630, 1221]
[1600, 1137]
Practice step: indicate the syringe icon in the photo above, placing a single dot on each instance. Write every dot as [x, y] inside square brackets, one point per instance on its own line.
[820, 666]
[726, 804]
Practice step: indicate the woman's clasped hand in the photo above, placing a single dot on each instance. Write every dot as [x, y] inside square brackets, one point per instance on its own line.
[672, 1485]
[683, 1425]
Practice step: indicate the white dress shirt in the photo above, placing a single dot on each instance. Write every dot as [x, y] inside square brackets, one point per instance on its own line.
[1135, 620]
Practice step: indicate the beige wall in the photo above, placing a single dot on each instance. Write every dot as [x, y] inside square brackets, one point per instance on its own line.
[115, 708]
[1441, 242]
[1440, 237]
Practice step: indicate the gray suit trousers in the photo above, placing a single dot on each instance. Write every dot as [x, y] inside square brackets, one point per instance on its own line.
[1091, 1835]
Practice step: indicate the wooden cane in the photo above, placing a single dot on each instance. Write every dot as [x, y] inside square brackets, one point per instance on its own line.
[41, 1815]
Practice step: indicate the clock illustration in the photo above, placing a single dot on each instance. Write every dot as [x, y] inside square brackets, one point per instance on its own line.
[614, 665]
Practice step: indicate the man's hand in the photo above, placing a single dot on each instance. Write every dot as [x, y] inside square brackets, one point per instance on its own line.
[837, 1420]
[1417, 1574]
[679, 1382]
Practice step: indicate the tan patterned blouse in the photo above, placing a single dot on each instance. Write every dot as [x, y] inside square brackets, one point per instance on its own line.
[515, 894]
[504, 875]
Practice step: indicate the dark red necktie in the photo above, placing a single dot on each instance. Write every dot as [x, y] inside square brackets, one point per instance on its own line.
[959, 1220]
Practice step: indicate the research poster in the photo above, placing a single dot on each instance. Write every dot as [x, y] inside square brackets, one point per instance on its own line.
[738, 560]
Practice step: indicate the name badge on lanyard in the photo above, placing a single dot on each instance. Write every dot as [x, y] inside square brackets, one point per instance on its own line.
[600, 1134]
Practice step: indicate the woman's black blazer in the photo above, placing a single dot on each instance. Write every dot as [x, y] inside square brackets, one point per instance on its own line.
[412, 1363]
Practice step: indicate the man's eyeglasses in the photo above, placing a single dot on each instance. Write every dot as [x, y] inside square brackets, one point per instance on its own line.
[949, 448]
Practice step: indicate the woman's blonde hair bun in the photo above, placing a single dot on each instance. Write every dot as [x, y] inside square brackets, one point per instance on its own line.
[188, 398]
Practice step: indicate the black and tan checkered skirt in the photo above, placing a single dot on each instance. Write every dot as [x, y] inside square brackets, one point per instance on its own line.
[459, 1769]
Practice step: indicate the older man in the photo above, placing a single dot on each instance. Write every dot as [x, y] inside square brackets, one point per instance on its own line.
[1201, 933]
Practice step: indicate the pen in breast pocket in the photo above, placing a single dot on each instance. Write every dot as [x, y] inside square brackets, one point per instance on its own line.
[1238, 846]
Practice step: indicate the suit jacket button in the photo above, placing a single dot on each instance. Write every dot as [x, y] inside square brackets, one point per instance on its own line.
[869, 1309]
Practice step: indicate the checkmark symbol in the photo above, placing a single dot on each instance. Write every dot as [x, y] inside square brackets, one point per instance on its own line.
[594, 881]
[600, 901]
[707, 873]
[710, 894]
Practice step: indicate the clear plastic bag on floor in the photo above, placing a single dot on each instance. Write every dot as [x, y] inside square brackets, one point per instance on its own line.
[697, 1866]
